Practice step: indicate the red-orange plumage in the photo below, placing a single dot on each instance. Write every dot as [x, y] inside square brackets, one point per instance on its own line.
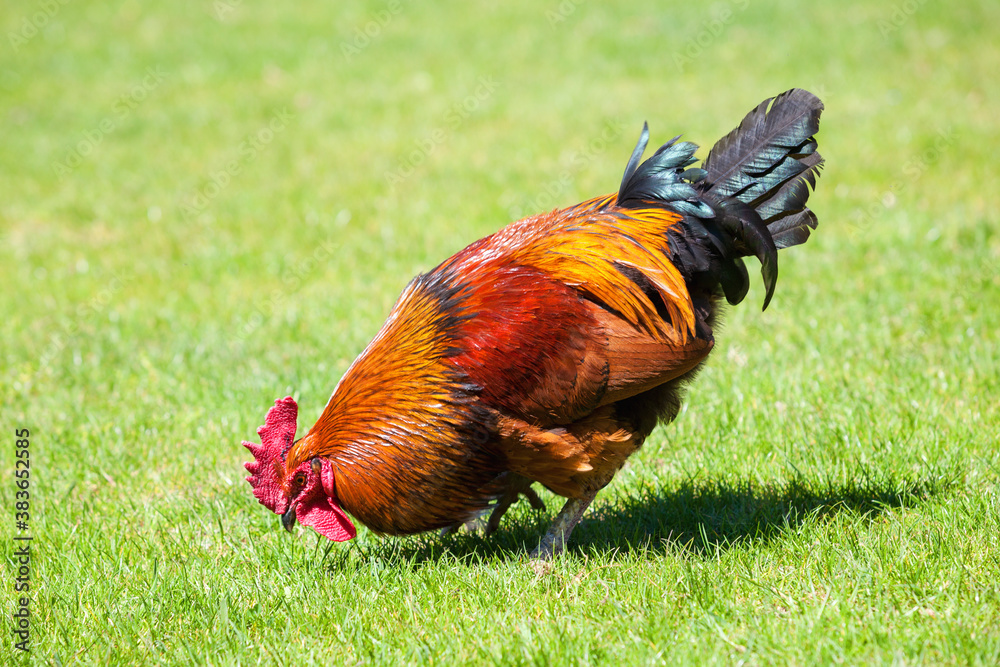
[547, 351]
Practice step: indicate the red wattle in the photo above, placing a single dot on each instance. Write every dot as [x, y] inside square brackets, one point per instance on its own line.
[326, 518]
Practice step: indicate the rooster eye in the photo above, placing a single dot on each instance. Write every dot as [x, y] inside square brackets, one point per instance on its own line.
[300, 480]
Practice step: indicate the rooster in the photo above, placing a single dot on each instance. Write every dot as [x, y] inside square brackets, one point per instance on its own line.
[548, 351]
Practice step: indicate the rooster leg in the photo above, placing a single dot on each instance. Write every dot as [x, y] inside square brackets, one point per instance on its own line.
[562, 527]
[516, 487]
[533, 499]
[474, 523]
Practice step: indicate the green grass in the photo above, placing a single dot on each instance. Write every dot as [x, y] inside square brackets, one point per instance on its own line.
[828, 495]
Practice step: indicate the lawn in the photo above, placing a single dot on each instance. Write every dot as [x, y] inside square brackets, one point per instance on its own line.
[206, 206]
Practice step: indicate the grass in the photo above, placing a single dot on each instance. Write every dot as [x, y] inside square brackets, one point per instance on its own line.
[208, 206]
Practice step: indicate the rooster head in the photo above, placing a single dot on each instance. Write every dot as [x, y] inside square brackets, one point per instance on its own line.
[305, 493]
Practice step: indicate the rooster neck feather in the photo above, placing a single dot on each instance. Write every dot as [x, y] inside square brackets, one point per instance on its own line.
[403, 420]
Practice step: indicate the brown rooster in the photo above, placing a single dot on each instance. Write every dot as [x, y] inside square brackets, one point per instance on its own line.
[548, 351]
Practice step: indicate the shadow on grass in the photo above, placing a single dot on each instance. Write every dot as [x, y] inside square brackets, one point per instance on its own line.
[702, 518]
[696, 517]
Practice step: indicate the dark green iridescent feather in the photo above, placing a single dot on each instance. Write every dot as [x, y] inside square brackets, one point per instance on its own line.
[750, 198]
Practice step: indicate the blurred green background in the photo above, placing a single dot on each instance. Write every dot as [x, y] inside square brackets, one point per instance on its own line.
[205, 206]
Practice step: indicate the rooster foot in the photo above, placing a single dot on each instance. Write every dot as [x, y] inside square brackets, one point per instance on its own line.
[562, 527]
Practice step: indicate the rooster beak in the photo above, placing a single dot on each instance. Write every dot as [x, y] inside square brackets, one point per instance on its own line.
[288, 518]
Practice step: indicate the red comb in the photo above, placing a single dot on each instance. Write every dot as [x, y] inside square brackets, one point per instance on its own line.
[268, 467]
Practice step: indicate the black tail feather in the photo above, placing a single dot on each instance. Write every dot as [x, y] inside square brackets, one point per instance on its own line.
[762, 173]
[793, 229]
[749, 199]
[752, 237]
[768, 149]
